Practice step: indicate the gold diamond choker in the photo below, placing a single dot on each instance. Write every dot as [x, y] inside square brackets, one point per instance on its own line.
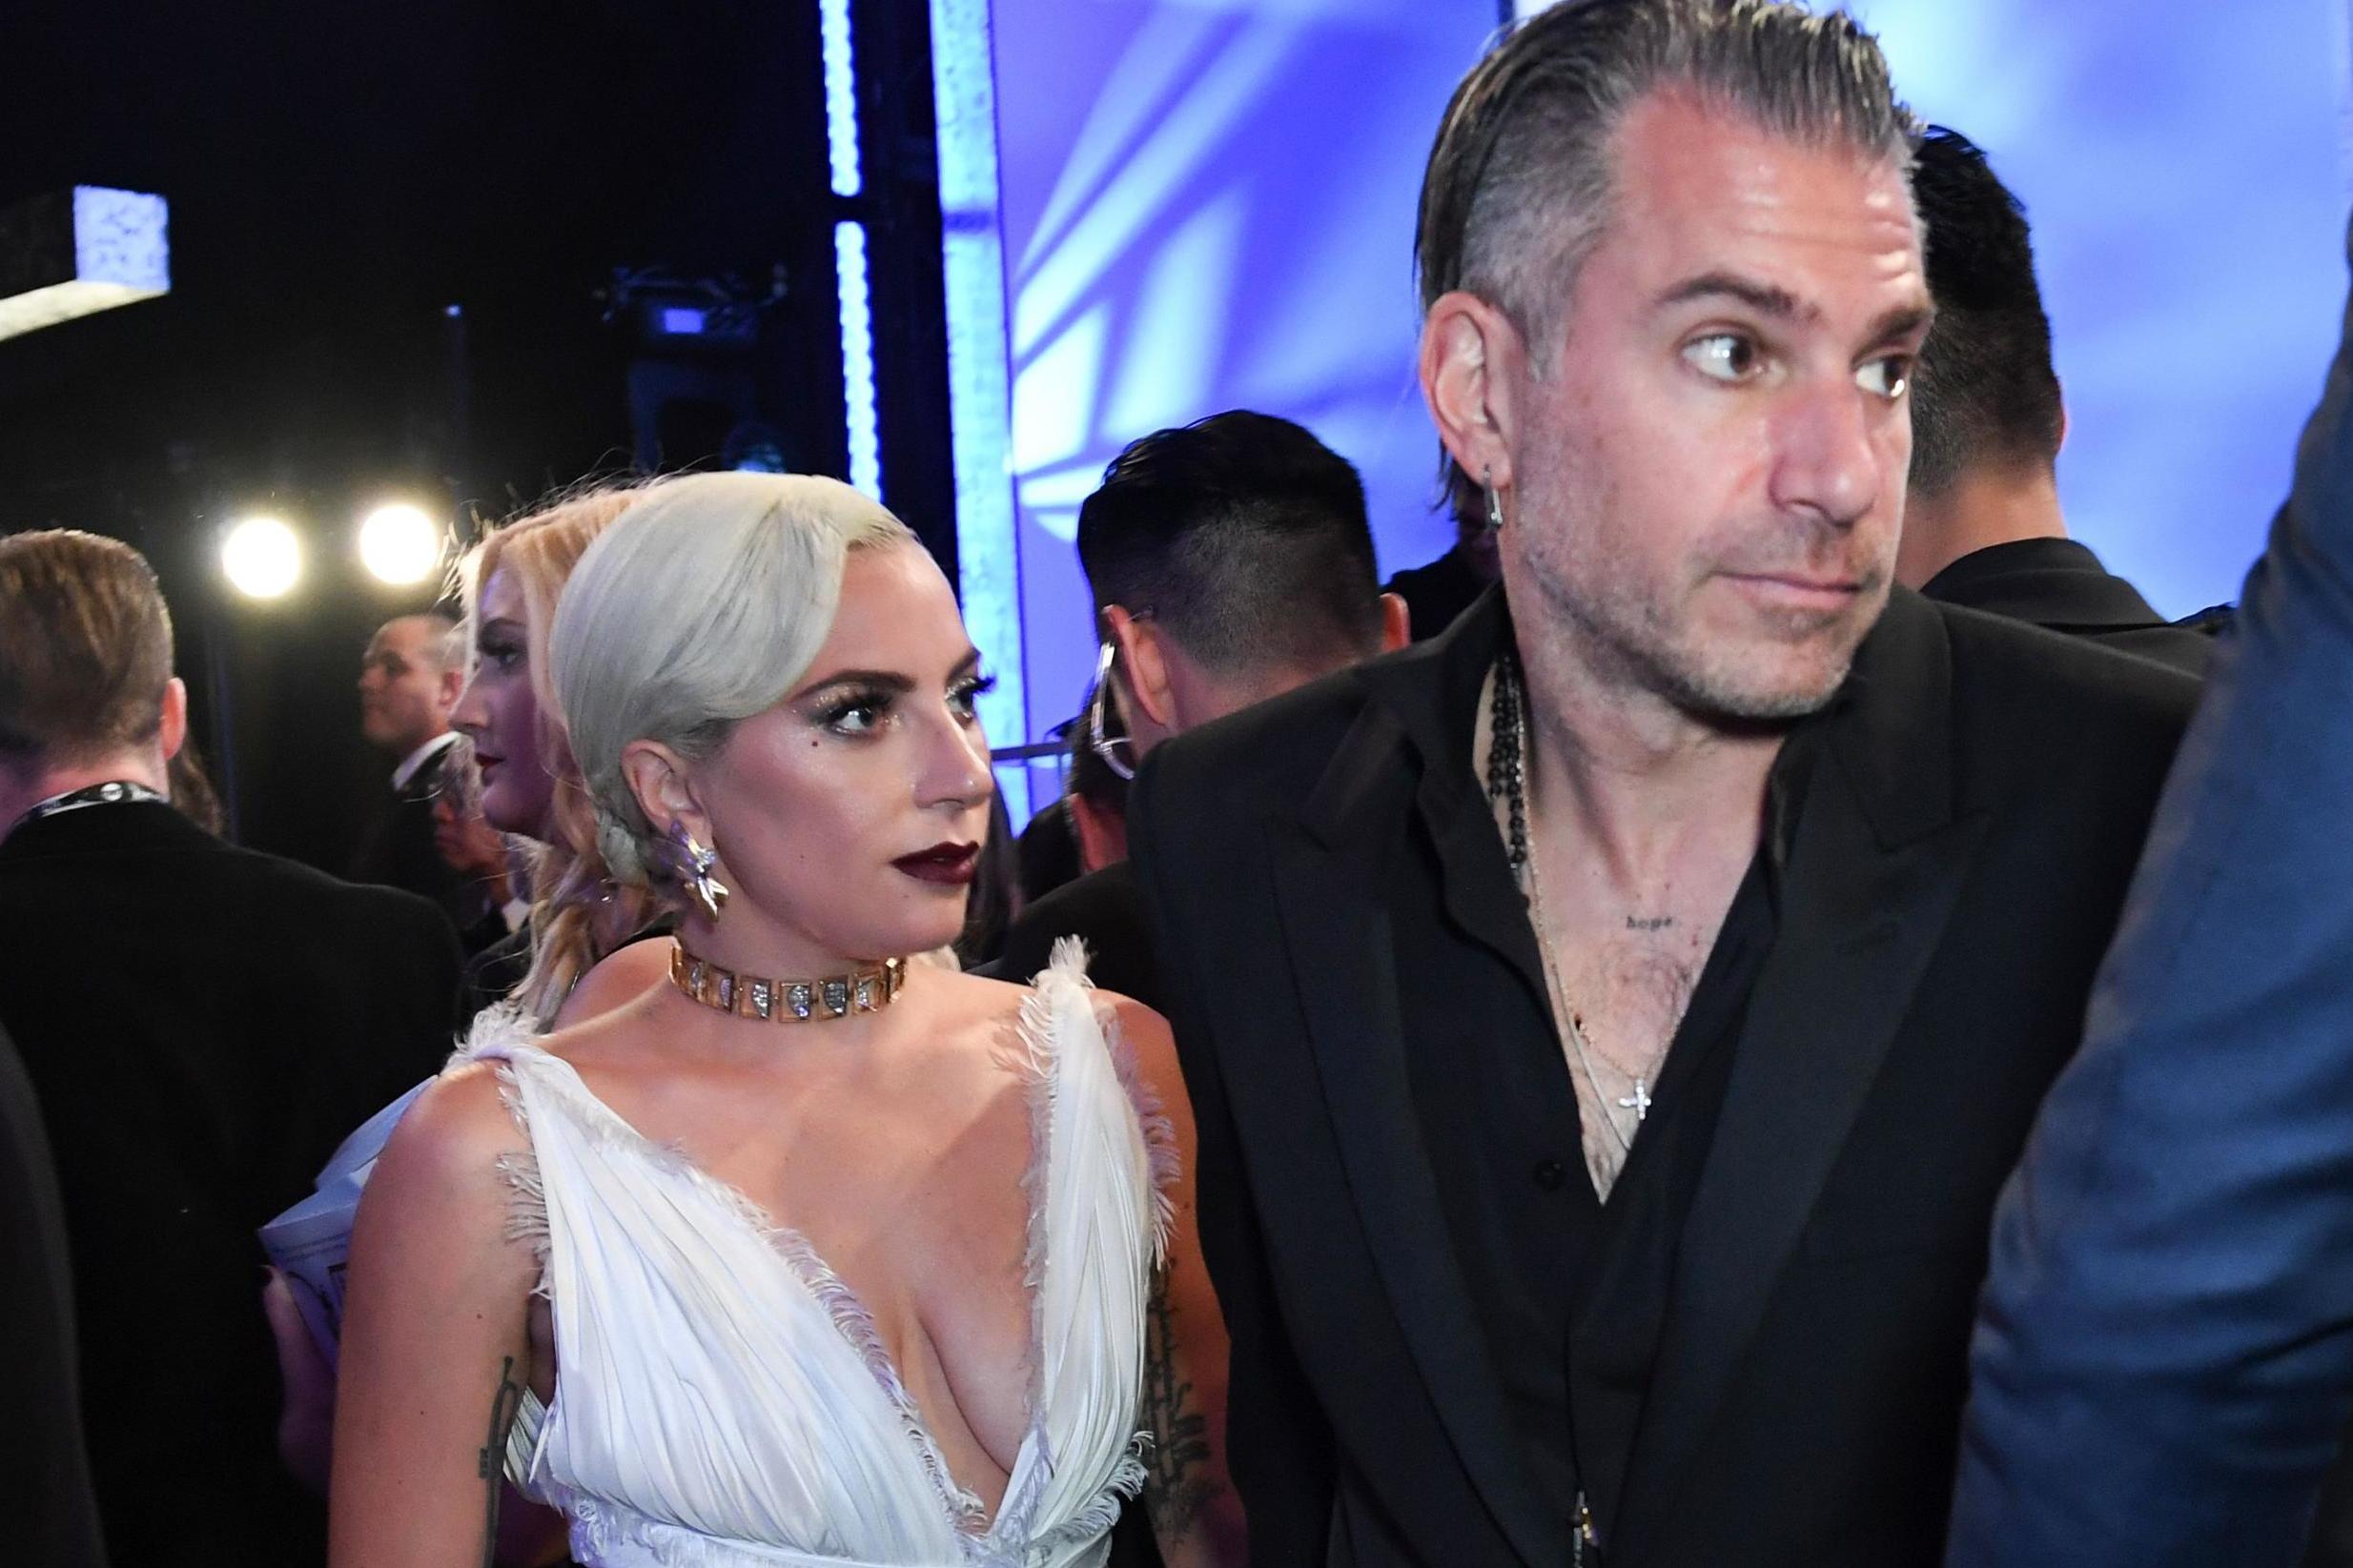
[868, 990]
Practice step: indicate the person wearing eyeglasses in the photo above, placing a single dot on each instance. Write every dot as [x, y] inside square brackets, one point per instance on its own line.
[1093, 792]
[1231, 562]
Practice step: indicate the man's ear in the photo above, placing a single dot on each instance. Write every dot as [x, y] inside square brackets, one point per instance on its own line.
[1397, 622]
[665, 787]
[1467, 349]
[1144, 665]
[172, 732]
[445, 689]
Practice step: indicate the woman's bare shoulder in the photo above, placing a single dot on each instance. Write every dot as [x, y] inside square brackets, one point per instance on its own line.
[454, 1133]
[1142, 1026]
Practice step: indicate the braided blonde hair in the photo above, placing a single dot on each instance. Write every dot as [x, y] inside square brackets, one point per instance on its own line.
[580, 911]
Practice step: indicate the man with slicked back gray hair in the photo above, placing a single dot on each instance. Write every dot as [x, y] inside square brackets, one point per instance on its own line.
[1608, 1050]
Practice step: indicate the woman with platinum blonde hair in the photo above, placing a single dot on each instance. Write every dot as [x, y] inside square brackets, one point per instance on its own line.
[810, 1256]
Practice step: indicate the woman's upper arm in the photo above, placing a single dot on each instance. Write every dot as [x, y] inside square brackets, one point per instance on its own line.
[435, 1346]
[1196, 1515]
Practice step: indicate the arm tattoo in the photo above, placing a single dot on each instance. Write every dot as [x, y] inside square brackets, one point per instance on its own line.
[491, 1463]
[1173, 1489]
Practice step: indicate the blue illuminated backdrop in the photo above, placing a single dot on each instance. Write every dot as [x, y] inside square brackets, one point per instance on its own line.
[1207, 204]
[2183, 165]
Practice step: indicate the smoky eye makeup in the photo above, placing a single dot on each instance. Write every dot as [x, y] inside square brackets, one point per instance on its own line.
[969, 689]
[850, 709]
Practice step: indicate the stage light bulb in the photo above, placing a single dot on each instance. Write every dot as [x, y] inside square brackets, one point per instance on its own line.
[399, 544]
[263, 557]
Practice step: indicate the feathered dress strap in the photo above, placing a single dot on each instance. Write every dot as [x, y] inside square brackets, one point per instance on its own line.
[505, 1034]
[1066, 971]
[1102, 1156]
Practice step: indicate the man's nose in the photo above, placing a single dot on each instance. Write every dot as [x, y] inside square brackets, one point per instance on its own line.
[1825, 461]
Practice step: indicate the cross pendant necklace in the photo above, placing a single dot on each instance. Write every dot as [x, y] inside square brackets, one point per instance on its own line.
[1507, 783]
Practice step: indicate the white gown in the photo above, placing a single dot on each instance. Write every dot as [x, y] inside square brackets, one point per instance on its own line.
[721, 1399]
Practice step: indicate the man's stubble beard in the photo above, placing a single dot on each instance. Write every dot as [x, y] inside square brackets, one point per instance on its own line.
[1644, 652]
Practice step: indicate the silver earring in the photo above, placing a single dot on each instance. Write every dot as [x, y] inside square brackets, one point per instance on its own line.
[708, 890]
[1495, 503]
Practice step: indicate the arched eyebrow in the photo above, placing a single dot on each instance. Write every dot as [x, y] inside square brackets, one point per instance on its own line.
[897, 682]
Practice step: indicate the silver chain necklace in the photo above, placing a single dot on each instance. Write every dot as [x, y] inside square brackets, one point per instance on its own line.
[114, 792]
[1507, 783]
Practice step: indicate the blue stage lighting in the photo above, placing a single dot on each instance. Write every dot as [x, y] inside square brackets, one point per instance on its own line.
[858, 357]
[979, 385]
[72, 252]
[841, 96]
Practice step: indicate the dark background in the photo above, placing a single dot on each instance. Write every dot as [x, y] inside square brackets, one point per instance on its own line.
[338, 177]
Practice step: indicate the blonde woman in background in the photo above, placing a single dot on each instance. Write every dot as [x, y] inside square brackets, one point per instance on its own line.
[581, 914]
[590, 942]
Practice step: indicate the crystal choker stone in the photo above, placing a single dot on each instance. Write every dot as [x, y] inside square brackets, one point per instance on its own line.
[868, 990]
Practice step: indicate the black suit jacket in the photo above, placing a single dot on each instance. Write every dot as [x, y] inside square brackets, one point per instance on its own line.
[2060, 586]
[1437, 593]
[398, 852]
[45, 1492]
[1101, 909]
[1957, 863]
[203, 1024]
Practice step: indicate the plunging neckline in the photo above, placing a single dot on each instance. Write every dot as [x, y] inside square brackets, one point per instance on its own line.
[847, 1311]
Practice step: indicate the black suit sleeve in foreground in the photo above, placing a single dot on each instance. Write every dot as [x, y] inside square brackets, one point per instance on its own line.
[45, 1492]
[2164, 1350]
[1103, 909]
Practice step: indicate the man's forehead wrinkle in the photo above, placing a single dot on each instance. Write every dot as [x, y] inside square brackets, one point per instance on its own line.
[1767, 241]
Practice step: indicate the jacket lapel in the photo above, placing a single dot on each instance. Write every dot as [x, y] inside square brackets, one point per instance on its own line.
[1328, 878]
[1874, 868]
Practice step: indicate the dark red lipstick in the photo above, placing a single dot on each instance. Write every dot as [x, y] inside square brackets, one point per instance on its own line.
[943, 864]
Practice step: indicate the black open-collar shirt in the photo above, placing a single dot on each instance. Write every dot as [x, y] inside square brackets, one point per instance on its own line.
[1572, 1292]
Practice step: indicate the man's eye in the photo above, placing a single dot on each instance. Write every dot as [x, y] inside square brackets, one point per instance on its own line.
[1723, 356]
[1890, 377]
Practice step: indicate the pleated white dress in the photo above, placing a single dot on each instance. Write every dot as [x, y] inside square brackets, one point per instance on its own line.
[721, 1399]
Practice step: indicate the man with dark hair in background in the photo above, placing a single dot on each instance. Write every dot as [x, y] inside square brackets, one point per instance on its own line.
[1982, 526]
[1231, 561]
[1607, 1024]
[409, 680]
[203, 1024]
